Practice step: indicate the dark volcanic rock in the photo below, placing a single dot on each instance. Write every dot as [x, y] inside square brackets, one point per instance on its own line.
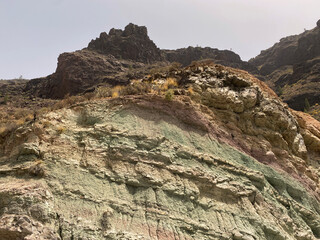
[186, 55]
[224, 57]
[109, 58]
[77, 72]
[293, 65]
[133, 43]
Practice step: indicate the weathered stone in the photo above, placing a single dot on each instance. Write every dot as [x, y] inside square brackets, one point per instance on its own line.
[29, 149]
[228, 163]
[291, 68]
[133, 43]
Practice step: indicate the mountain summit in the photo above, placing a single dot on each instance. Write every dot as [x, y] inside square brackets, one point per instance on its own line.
[131, 43]
[117, 57]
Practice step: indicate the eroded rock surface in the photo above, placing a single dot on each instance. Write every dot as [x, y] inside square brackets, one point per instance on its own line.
[131, 43]
[227, 160]
[291, 67]
[78, 72]
[186, 56]
[117, 57]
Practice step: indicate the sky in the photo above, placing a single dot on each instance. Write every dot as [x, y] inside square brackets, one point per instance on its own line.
[34, 32]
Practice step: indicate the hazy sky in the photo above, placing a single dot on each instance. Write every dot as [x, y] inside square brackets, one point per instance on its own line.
[34, 32]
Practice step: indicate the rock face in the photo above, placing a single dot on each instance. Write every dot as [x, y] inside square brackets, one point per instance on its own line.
[133, 43]
[225, 159]
[292, 67]
[78, 72]
[109, 58]
[186, 56]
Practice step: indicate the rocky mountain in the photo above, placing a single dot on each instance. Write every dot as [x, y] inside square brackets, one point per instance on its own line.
[186, 56]
[78, 72]
[292, 68]
[204, 152]
[142, 148]
[132, 43]
[117, 57]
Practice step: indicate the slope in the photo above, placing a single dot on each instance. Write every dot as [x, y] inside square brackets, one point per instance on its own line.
[206, 152]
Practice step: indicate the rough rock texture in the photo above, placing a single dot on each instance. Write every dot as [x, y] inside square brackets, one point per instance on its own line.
[80, 72]
[133, 43]
[186, 56]
[111, 57]
[292, 68]
[229, 161]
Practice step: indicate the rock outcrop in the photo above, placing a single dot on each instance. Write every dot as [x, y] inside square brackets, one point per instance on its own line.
[133, 43]
[80, 72]
[292, 66]
[224, 159]
[186, 56]
[110, 58]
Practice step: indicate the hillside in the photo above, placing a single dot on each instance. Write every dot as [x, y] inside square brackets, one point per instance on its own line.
[292, 68]
[203, 152]
[118, 57]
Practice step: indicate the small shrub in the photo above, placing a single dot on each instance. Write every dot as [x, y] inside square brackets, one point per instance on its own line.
[20, 122]
[175, 66]
[46, 124]
[306, 105]
[74, 99]
[190, 91]
[116, 91]
[22, 113]
[169, 95]
[169, 83]
[137, 87]
[5, 99]
[29, 117]
[103, 92]
[43, 110]
[7, 127]
[89, 95]
[61, 130]
[115, 94]
[2, 130]
[68, 101]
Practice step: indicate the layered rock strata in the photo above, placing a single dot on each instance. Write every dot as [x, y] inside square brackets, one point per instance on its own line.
[225, 159]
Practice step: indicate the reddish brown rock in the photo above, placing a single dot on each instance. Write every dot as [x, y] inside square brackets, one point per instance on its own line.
[132, 43]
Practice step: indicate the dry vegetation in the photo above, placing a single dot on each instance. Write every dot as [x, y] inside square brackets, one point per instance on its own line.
[163, 81]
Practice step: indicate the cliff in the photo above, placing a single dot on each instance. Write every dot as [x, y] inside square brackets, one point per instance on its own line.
[115, 59]
[205, 152]
[132, 43]
[292, 67]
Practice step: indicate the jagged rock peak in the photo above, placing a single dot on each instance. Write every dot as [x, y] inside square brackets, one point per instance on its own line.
[130, 29]
[131, 43]
[318, 23]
